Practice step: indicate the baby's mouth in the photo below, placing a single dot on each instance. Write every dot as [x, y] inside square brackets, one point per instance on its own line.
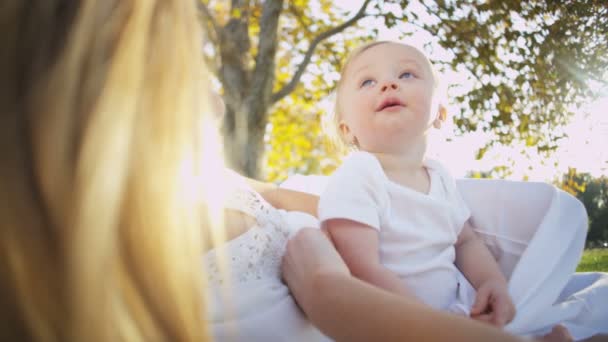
[390, 103]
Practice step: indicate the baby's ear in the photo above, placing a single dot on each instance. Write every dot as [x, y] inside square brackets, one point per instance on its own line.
[442, 115]
[345, 131]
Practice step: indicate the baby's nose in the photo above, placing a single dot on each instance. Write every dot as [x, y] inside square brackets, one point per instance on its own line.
[392, 85]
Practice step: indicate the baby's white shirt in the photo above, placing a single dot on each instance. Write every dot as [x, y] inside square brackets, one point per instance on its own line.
[417, 231]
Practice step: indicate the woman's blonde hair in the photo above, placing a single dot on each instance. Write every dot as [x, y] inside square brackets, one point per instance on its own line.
[99, 114]
[331, 122]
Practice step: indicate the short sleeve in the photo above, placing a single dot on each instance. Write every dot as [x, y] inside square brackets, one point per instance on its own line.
[460, 209]
[356, 191]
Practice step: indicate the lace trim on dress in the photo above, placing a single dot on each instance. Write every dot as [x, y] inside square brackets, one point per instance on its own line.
[255, 254]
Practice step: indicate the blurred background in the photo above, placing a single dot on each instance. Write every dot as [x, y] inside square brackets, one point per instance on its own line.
[525, 83]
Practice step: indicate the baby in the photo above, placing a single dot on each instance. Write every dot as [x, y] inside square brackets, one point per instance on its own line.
[395, 216]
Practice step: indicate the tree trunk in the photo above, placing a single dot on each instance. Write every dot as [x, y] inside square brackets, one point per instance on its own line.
[244, 141]
[248, 93]
[248, 99]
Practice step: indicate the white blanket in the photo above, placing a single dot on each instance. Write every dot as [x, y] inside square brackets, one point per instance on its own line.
[536, 232]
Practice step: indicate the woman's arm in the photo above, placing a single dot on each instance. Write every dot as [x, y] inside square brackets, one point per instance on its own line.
[260, 186]
[347, 309]
[285, 199]
[292, 200]
[350, 310]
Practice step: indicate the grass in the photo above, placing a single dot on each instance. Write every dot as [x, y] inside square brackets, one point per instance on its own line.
[594, 260]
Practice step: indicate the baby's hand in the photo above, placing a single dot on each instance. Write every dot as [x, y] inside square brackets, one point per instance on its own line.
[558, 334]
[493, 304]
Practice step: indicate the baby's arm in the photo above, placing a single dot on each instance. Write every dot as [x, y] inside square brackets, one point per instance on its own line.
[478, 265]
[475, 260]
[358, 244]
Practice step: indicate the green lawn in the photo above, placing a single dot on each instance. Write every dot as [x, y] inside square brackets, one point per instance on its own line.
[594, 260]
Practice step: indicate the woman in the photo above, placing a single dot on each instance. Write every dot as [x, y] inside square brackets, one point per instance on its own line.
[101, 109]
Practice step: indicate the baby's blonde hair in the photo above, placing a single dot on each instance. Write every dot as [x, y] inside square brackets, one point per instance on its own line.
[331, 121]
[100, 104]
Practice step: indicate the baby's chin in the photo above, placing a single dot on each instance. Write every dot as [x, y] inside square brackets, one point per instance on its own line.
[391, 142]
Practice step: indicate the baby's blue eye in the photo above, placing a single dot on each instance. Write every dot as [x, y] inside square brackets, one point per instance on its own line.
[406, 74]
[367, 82]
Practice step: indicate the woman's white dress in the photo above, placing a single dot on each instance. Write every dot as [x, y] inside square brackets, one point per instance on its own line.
[247, 299]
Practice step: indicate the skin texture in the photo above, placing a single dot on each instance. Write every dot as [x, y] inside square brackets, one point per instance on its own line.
[405, 75]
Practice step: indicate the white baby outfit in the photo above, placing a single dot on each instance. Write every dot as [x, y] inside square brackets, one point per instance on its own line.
[417, 231]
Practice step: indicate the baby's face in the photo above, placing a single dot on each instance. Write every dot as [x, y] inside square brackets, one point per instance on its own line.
[386, 96]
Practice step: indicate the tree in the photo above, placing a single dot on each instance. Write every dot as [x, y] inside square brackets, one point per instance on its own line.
[248, 72]
[497, 172]
[531, 60]
[297, 143]
[593, 192]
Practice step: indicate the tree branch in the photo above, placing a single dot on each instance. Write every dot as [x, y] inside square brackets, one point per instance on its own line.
[233, 50]
[289, 87]
[263, 74]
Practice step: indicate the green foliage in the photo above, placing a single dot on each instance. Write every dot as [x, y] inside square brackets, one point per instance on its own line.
[593, 192]
[594, 260]
[532, 63]
[574, 183]
[297, 144]
[497, 172]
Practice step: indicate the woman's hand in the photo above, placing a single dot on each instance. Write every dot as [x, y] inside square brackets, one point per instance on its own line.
[493, 304]
[310, 255]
